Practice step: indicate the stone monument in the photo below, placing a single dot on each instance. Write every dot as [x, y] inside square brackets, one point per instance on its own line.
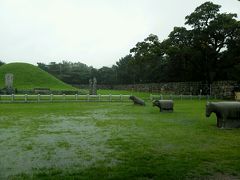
[227, 113]
[9, 83]
[137, 100]
[164, 105]
[93, 86]
[90, 86]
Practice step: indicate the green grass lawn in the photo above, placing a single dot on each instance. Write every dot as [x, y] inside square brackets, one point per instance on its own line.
[93, 140]
[27, 76]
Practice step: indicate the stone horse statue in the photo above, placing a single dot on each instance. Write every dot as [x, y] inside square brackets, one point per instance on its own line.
[228, 113]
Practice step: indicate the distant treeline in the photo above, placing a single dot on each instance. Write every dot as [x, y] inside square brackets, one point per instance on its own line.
[207, 49]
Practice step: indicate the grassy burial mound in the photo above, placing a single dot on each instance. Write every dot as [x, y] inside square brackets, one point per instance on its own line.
[27, 76]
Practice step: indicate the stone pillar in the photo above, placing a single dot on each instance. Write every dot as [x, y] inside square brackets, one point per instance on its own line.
[9, 83]
[94, 87]
[90, 86]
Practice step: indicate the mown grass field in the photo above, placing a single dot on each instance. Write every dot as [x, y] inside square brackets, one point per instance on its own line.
[113, 140]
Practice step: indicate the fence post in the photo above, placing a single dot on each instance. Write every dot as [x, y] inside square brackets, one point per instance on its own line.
[38, 98]
[150, 97]
[12, 97]
[120, 97]
[76, 97]
[25, 98]
[161, 97]
[191, 97]
[181, 97]
[88, 97]
[110, 97]
[99, 97]
[51, 97]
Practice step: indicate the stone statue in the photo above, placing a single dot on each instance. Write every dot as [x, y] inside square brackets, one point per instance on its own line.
[164, 105]
[9, 83]
[137, 100]
[90, 86]
[93, 86]
[228, 113]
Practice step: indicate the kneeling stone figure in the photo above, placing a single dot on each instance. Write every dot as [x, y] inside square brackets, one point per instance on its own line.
[164, 105]
[137, 100]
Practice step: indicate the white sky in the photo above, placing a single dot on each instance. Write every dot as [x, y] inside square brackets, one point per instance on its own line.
[94, 32]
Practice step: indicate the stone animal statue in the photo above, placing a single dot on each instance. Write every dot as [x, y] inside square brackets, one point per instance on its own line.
[228, 113]
[164, 105]
[137, 100]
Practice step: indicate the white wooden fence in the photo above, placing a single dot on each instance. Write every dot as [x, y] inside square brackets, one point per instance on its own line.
[90, 98]
[63, 98]
[181, 97]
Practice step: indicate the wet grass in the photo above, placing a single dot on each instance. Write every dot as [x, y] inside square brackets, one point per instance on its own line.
[93, 140]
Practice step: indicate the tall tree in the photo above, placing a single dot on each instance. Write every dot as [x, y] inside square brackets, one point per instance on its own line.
[147, 57]
[212, 32]
[178, 48]
[106, 75]
[125, 71]
[1, 63]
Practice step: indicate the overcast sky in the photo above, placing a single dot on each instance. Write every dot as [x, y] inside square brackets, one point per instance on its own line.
[94, 32]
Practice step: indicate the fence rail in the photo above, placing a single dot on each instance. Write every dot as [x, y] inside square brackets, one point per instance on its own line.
[181, 97]
[25, 98]
[62, 98]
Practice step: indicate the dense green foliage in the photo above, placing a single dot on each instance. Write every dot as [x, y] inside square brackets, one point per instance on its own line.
[207, 49]
[27, 76]
[1, 63]
[78, 73]
[72, 73]
[115, 141]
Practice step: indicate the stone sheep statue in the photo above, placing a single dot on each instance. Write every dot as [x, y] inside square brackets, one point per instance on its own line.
[164, 105]
[228, 113]
[137, 100]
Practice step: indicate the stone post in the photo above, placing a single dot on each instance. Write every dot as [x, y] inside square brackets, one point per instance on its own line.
[90, 86]
[9, 83]
[94, 86]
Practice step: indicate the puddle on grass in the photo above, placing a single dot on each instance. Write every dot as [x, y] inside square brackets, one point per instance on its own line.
[50, 141]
